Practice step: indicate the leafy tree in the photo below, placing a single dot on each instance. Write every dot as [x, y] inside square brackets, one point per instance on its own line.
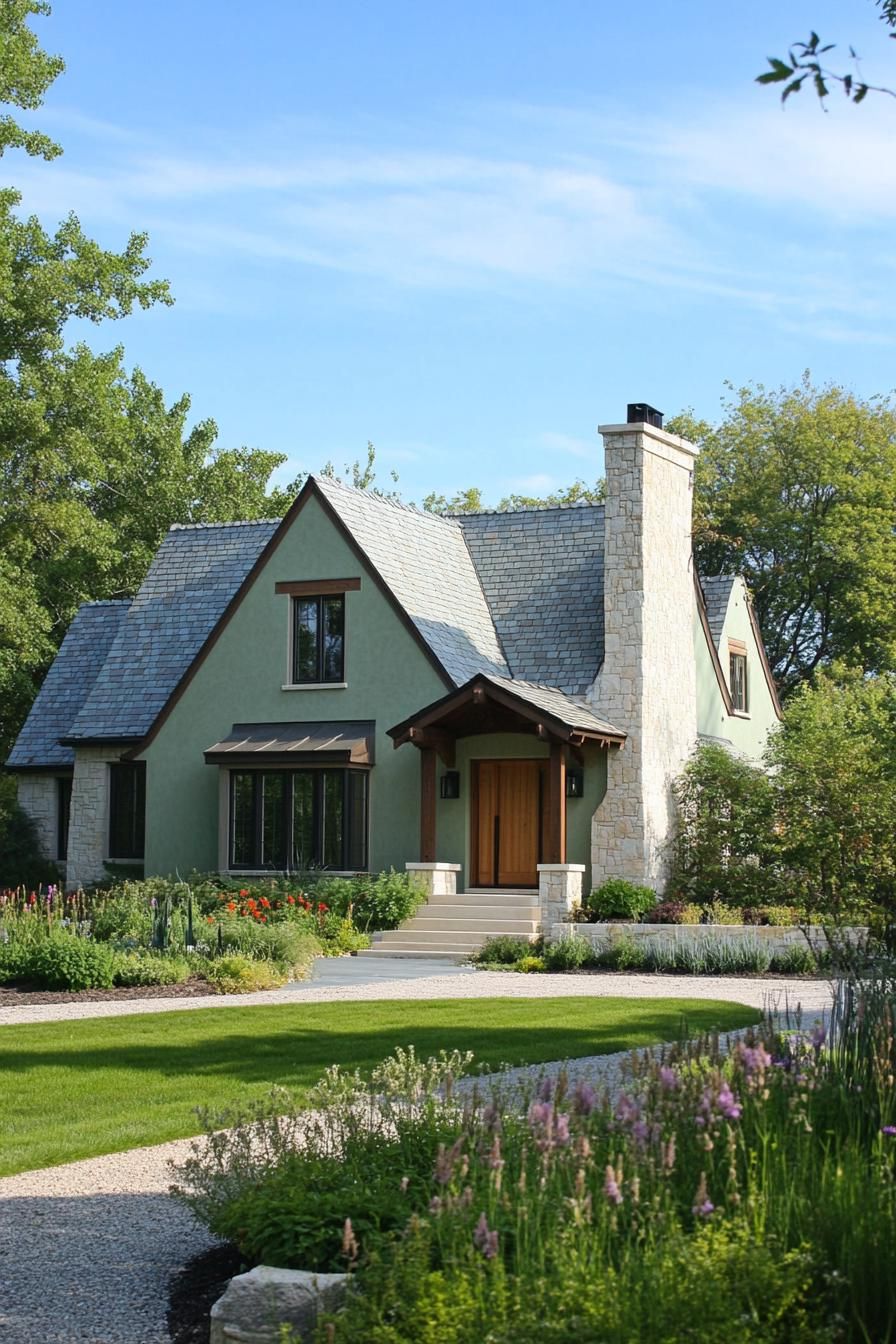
[470, 500]
[796, 490]
[725, 846]
[94, 465]
[834, 762]
[804, 63]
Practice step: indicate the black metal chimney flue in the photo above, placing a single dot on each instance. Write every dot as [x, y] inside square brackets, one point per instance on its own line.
[639, 413]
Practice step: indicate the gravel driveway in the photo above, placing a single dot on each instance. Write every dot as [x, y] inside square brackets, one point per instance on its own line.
[361, 979]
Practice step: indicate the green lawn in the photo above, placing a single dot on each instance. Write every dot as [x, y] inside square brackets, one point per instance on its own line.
[82, 1088]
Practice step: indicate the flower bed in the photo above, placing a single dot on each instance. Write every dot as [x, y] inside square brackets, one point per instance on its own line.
[161, 933]
[743, 1197]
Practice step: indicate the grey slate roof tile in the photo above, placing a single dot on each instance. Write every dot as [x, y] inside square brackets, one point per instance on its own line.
[717, 592]
[542, 571]
[67, 684]
[195, 573]
[425, 561]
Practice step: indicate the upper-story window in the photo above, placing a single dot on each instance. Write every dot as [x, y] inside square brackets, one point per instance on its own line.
[318, 639]
[737, 663]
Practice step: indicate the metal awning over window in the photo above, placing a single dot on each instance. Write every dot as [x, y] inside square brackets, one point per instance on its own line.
[274, 745]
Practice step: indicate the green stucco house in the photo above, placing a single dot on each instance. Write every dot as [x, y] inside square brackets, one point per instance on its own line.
[500, 699]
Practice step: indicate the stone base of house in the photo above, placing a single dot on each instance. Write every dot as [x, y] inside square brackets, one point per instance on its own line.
[38, 795]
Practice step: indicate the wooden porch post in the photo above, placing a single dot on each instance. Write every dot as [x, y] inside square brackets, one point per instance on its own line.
[556, 805]
[427, 805]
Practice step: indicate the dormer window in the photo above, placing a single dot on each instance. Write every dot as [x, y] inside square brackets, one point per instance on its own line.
[737, 677]
[318, 640]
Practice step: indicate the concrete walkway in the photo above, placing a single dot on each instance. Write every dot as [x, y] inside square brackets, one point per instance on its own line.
[360, 979]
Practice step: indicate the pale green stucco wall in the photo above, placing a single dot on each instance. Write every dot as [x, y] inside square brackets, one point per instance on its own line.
[388, 678]
[747, 734]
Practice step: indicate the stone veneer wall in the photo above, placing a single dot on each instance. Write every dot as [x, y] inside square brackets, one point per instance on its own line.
[88, 828]
[38, 795]
[774, 939]
[647, 684]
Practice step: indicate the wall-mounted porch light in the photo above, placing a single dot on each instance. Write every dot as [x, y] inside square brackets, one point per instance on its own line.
[575, 783]
[449, 784]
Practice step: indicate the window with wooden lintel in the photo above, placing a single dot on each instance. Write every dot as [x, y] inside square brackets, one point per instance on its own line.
[317, 629]
[737, 676]
[292, 820]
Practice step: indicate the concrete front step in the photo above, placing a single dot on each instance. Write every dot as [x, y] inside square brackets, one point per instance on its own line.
[422, 954]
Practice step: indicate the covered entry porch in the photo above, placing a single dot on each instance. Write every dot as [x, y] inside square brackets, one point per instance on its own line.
[510, 776]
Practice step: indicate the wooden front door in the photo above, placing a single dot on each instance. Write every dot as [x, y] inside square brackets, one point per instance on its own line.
[508, 820]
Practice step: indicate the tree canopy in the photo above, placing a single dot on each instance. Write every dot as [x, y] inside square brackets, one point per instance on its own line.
[796, 490]
[95, 465]
[803, 63]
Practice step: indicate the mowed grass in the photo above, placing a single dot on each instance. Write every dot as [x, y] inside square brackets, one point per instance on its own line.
[82, 1088]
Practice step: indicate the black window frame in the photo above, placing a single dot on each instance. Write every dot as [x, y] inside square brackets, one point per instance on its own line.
[319, 602]
[63, 815]
[127, 811]
[293, 862]
[738, 683]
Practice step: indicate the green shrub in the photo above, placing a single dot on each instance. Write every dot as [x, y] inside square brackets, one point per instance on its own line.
[123, 913]
[569, 953]
[64, 961]
[242, 975]
[797, 960]
[22, 859]
[504, 949]
[385, 901]
[531, 965]
[15, 961]
[618, 899]
[287, 944]
[720, 912]
[151, 968]
[726, 845]
[623, 954]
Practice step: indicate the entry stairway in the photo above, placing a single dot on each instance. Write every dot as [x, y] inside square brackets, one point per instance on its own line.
[451, 927]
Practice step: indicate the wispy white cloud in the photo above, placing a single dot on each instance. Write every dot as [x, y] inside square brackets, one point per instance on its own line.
[594, 203]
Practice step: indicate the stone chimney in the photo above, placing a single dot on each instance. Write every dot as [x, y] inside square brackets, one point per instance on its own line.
[647, 684]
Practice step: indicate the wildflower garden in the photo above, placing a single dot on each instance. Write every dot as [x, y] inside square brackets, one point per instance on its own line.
[723, 1194]
[208, 932]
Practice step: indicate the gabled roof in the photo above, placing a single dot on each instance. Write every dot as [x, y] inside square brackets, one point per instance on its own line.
[67, 685]
[542, 571]
[192, 578]
[563, 717]
[424, 560]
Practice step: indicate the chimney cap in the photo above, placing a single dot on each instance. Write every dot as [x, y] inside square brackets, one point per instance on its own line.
[639, 413]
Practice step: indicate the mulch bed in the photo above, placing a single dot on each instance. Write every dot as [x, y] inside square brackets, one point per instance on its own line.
[13, 996]
[193, 1291]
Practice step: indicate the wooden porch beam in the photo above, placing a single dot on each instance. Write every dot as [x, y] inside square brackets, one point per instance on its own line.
[427, 805]
[556, 805]
[438, 739]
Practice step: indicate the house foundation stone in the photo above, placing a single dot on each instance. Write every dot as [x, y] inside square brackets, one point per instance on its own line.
[559, 890]
[434, 879]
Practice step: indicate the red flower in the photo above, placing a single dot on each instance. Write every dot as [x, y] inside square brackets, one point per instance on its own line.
[321, 907]
[265, 902]
[291, 899]
[209, 919]
[245, 891]
[231, 906]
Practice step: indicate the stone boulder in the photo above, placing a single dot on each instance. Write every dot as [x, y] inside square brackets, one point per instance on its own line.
[256, 1304]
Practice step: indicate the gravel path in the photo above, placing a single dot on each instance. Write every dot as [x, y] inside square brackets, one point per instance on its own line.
[362, 979]
[87, 1249]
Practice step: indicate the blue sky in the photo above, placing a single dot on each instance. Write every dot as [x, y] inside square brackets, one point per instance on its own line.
[471, 232]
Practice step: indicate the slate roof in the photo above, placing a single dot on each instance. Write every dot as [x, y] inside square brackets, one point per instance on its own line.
[425, 561]
[717, 592]
[568, 709]
[516, 596]
[67, 684]
[542, 571]
[196, 571]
